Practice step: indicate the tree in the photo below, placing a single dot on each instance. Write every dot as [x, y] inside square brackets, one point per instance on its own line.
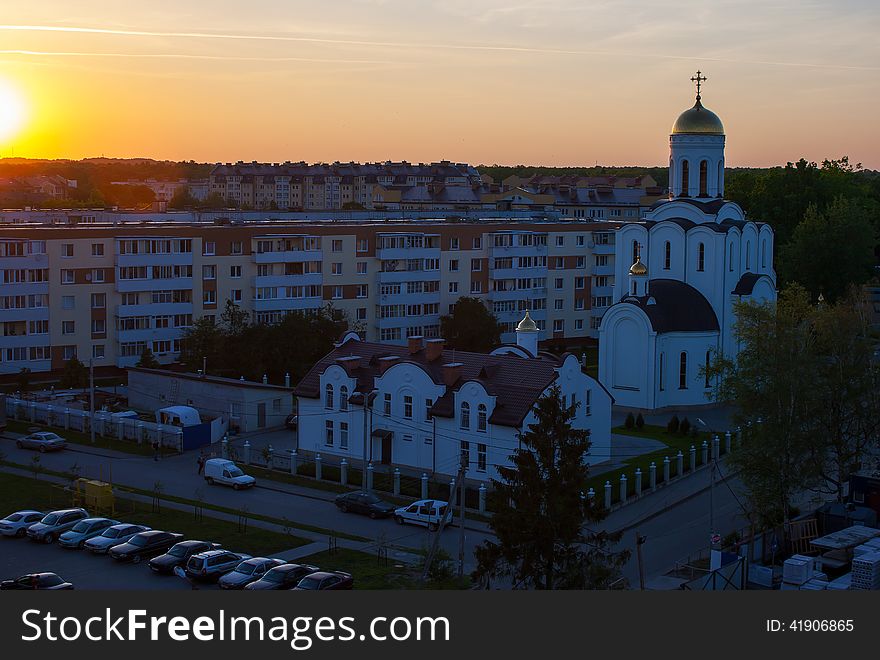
[640, 421]
[630, 421]
[831, 251]
[541, 510]
[23, 381]
[75, 375]
[182, 199]
[234, 320]
[471, 327]
[201, 342]
[148, 360]
[771, 381]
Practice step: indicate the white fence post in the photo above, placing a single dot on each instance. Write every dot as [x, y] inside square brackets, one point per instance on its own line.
[424, 486]
[343, 472]
[607, 494]
[397, 481]
[482, 499]
[638, 481]
[318, 470]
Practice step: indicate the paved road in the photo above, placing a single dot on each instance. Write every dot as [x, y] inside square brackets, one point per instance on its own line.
[179, 477]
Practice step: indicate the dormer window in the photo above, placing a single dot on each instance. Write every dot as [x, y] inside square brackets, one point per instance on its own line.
[328, 397]
[481, 418]
[465, 418]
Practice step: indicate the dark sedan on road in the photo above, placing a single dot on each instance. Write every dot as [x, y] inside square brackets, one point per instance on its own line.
[179, 554]
[325, 581]
[250, 570]
[144, 545]
[286, 576]
[366, 504]
[39, 581]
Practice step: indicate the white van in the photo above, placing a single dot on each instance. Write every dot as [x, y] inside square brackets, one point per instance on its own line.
[427, 513]
[222, 471]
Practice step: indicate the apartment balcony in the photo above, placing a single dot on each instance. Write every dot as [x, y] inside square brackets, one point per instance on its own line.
[166, 284]
[27, 261]
[514, 294]
[404, 298]
[602, 290]
[154, 309]
[164, 259]
[288, 304]
[287, 256]
[26, 314]
[23, 288]
[306, 279]
[602, 270]
[517, 251]
[603, 248]
[516, 273]
[395, 276]
[149, 334]
[402, 254]
[15, 366]
[17, 341]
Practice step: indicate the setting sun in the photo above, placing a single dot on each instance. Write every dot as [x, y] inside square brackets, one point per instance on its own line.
[12, 112]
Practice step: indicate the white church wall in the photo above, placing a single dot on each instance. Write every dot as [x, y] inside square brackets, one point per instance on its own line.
[695, 345]
[660, 235]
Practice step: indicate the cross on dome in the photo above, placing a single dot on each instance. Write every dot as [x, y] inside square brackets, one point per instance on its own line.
[699, 80]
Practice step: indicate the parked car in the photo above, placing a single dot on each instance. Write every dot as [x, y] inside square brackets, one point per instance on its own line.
[143, 545]
[179, 554]
[115, 535]
[428, 513]
[364, 503]
[82, 531]
[55, 523]
[324, 581]
[223, 471]
[42, 441]
[209, 566]
[250, 570]
[285, 576]
[16, 524]
[41, 581]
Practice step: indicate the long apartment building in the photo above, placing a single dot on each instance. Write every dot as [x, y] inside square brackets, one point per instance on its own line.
[106, 292]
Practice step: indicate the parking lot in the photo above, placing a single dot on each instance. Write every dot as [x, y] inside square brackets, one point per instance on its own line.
[83, 569]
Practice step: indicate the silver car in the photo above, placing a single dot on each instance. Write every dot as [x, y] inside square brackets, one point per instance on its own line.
[83, 531]
[16, 524]
[115, 535]
[42, 441]
[55, 523]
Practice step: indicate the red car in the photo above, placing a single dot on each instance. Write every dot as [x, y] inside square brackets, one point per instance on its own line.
[325, 580]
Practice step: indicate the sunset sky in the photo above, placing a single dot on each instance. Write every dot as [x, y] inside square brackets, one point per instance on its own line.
[552, 82]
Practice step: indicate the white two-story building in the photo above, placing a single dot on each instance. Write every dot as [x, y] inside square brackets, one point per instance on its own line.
[426, 405]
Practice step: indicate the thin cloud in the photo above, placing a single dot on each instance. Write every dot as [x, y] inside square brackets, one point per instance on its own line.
[242, 58]
[411, 45]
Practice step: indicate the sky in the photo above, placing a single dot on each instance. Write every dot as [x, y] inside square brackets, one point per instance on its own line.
[541, 82]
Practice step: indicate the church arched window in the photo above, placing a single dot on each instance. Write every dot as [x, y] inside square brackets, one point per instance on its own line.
[719, 179]
[685, 178]
[481, 417]
[328, 396]
[704, 178]
[731, 258]
[748, 255]
[708, 363]
[764, 253]
[343, 398]
[635, 290]
[635, 251]
[683, 371]
[662, 378]
[667, 255]
[701, 257]
[465, 415]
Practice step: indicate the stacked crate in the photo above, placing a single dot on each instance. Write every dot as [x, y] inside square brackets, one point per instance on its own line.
[866, 571]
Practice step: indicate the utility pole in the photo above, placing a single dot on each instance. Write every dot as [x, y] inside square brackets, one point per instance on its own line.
[640, 541]
[436, 543]
[464, 466]
[92, 399]
[712, 499]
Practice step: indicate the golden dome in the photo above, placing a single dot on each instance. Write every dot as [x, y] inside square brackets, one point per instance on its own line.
[698, 120]
[638, 268]
[527, 324]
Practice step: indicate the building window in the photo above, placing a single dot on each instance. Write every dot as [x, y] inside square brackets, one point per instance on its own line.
[363, 245]
[476, 265]
[328, 396]
[667, 256]
[361, 314]
[481, 457]
[636, 251]
[337, 293]
[453, 265]
[328, 436]
[662, 379]
[387, 404]
[685, 178]
[476, 286]
[99, 326]
[362, 290]
[764, 253]
[209, 272]
[209, 248]
[477, 243]
[465, 420]
[701, 257]
[99, 300]
[748, 255]
[209, 297]
[408, 406]
[558, 283]
[336, 268]
[67, 249]
[453, 287]
[704, 175]
[588, 402]
[68, 352]
[682, 371]
[68, 276]
[235, 294]
[559, 325]
[343, 435]
[708, 364]
[361, 267]
[557, 304]
[97, 250]
[453, 243]
[578, 324]
[235, 272]
[579, 283]
[336, 246]
[428, 405]
[236, 247]
[730, 258]
[481, 418]
[98, 351]
[68, 327]
[465, 453]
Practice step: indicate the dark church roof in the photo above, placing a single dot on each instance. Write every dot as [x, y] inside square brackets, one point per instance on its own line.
[746, 284]
[674, 306]
[707, 205]
[516, 382]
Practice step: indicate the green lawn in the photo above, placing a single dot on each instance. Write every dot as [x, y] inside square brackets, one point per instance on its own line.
[77, 438]
[673, 443]
[17, 492]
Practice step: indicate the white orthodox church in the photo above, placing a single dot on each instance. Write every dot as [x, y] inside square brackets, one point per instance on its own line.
[679, 272]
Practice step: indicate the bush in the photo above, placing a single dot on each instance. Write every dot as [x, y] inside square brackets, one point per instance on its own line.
[640, 421]
[672, 426]
[685, 426]
[630, 421]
